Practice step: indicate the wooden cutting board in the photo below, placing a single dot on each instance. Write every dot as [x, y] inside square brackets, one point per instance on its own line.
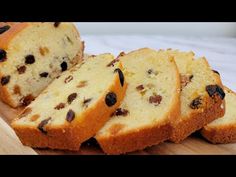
[10, 144]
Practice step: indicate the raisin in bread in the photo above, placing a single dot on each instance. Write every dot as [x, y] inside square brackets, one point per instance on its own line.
[202, 97]
[32, 55]
[149, 107]
[223, 130]
[74, 106]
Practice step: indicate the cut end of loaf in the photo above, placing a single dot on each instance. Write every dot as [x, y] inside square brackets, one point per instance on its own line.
[32, 62]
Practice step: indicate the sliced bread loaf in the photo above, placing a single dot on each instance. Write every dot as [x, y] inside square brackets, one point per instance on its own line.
[150, 106]
[74, 106]
[202, 96]
[223, 130]
[32, 55]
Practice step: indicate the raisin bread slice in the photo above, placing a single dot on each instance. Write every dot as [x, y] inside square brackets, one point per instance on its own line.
[74, 106]
[223, 130]
[149, 107]
[202, 97]
[32, 55]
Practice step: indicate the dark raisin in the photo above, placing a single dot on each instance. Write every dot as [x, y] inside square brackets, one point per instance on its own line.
[70, 115]
[216, 72]
[196, 103]
[3, 55]
[71, 97]
[150, 71]
[213, 90]
[5, 80]
[121, 112]
[140, 87]
[68, 79]
[44, 74]
[25, 101]
[29, 59]
[86, 101]
[184, 80]
[21, 69]
[56, 24]
[4, 29]
[155, 99]
[121, 76]
[63, 66]
[42, 125]
[60, 106]
[110, 99]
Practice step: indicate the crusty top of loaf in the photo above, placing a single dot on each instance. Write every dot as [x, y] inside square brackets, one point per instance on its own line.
[15, 27]
[6, 37]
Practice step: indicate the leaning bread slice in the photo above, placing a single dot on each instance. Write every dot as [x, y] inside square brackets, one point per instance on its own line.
[202, 96]
[150, 106]
[74, 107]
[223, 130]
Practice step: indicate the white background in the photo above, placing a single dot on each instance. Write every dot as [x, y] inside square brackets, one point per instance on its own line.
[173, 29]
[215, 41]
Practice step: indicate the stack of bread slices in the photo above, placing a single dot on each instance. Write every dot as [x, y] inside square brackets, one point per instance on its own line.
[127, 103]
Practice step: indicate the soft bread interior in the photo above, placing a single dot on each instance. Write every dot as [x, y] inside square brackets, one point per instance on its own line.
[195, 75]
[50, 46]
[88, 82]
[148, 73]
[229, 119]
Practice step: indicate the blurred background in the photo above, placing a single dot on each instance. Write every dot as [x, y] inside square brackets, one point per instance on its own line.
[215, 41]
[161, 28]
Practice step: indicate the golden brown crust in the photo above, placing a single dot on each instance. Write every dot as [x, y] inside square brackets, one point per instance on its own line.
[145, 137]
[187, 126]
[135, 140]
[6, 37]
[220, 135]
[71, 135]
[195, 121]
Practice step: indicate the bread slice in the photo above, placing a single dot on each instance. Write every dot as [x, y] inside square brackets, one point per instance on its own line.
[34, 54]
[150, 106]
[202, 96]
[74, 106]
[223, 130]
